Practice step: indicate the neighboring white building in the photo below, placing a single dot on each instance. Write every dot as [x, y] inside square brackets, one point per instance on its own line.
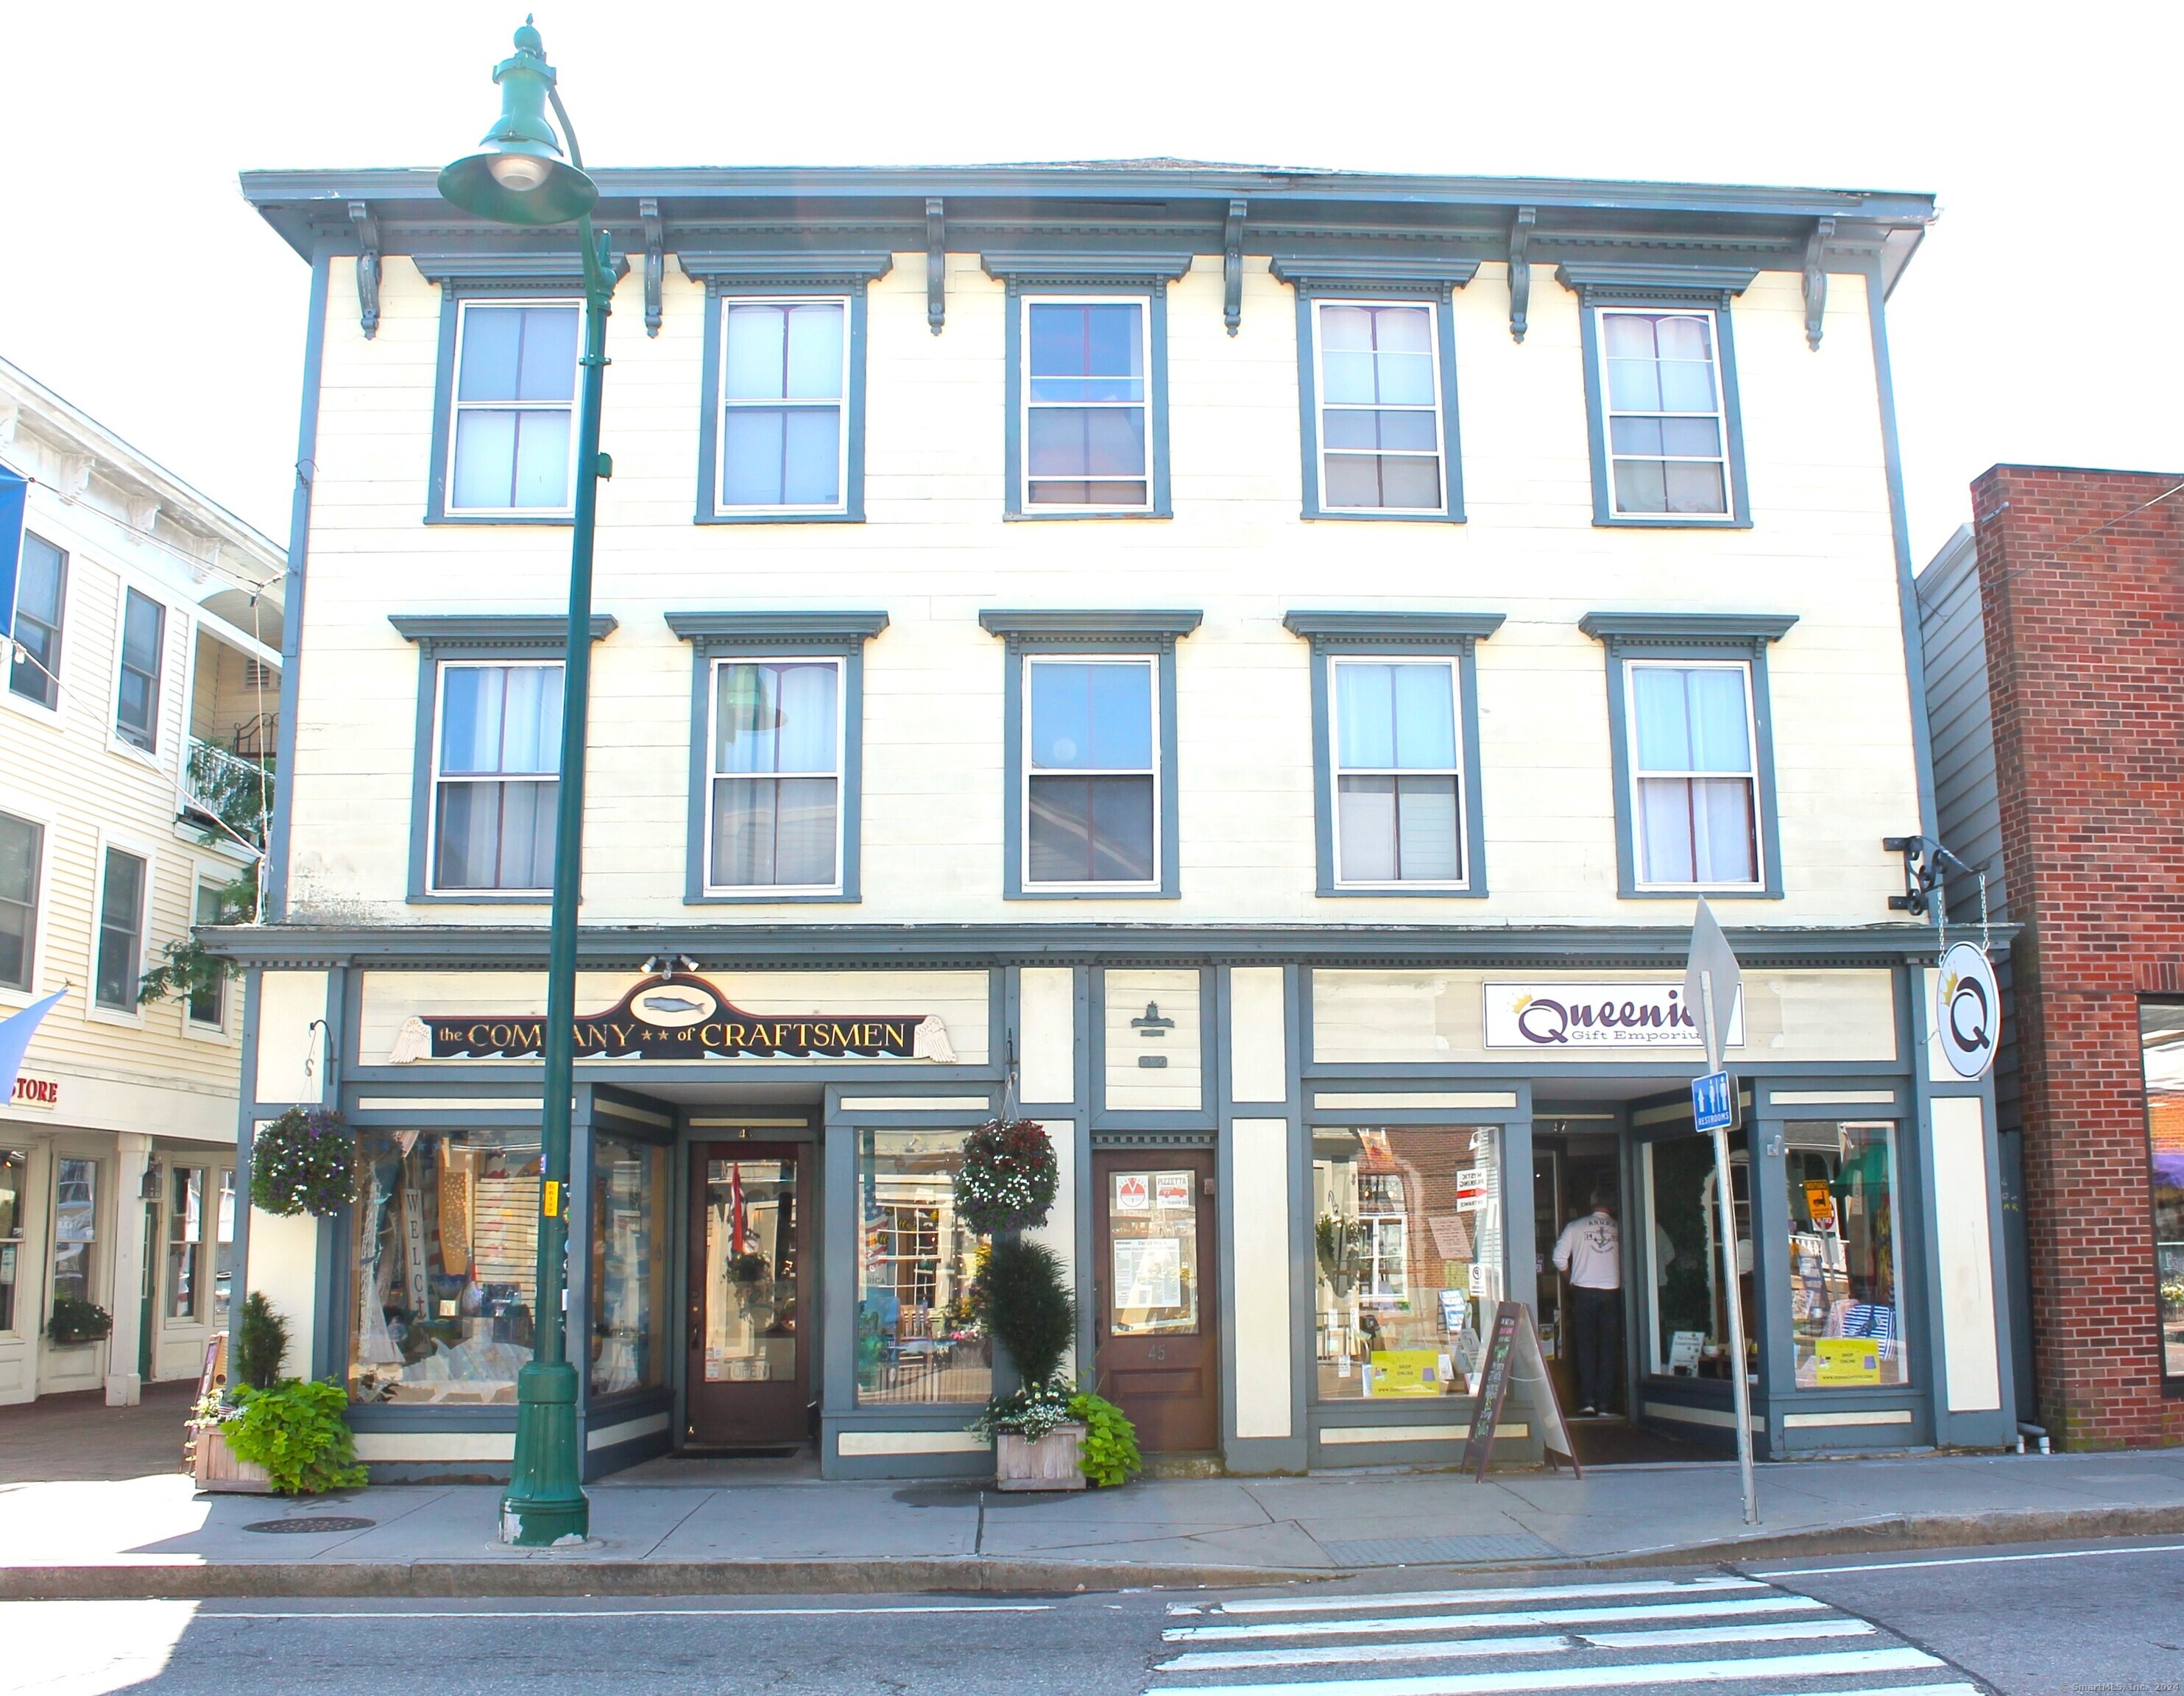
[1058, 626]
[137, 715]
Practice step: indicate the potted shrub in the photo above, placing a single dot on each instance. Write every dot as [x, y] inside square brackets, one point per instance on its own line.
[262, 1432]
[75, 1322]
[1027, 1309]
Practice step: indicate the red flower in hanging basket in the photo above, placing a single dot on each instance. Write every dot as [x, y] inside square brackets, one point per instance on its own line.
[1008, 1178]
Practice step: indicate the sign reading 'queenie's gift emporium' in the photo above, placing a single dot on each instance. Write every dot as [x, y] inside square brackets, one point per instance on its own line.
[1562, 1016]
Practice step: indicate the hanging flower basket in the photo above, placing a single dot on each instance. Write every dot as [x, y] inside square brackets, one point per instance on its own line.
[305, 1162]
[1008, 1177]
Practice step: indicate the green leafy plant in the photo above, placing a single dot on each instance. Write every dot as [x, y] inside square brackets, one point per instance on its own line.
[297, 1432]
[1111, 1440]
[78, 1321]
[261, 1343]
[1008, 1178]
[305, 1162]
[1024, 1300]
[187, 967]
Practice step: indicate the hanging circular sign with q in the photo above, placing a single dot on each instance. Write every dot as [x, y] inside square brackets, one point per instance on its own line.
[1967, 1011]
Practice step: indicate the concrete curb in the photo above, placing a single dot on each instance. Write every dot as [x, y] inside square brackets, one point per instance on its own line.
[547, 1574]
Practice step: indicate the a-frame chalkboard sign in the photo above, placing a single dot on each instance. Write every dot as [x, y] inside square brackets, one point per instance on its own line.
[1513, 1353]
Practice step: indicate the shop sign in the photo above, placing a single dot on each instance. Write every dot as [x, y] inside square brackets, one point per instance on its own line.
[682, 1018]
[1471, 1189]
[1408, 1372]
[42, 1093]
[1558, 1016]
[1846, 1360]
[1131, 1194]
[1967, 1010]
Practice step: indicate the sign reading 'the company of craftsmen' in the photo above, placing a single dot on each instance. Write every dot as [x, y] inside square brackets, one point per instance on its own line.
[1557, 1016]
[681, 1018]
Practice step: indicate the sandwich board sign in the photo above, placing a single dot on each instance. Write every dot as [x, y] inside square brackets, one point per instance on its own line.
[1513, 1353]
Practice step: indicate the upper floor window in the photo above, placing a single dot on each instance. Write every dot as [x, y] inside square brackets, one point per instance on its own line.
[776, 787]
[1398, 773]
[143, 642]
[208, 1003]
[512, 438]
[1088, 437]
[22, 863]
[1091, 796]
[1667, 419]
[120, 963]
[784, 419]
[1379, 407]
[1695, 775]
[496, 770]
[40, 591]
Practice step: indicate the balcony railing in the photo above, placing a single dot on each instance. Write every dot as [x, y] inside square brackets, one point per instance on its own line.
[228, 795]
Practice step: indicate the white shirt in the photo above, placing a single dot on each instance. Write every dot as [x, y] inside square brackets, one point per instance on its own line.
[1590, 1250]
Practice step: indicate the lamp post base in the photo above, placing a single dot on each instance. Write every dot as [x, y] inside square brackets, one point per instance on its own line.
[545, 1504]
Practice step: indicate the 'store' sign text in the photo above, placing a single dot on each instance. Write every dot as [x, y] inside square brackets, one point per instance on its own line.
[1557, 1017]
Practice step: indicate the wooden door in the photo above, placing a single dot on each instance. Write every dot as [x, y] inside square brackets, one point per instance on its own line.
[748, 1384]
[1155, 1328]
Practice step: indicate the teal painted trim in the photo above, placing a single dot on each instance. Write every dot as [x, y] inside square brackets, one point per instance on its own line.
[1113, 630]
[1690, 636]
[1142, 272]
[728, 278]
[1427, 281]
[554, 270]
[1604, 514]
[542, 282]
[463, 634]
[1899, 526]
[725, 635]
[1618, 283]
[1452, 635]
[293, 589]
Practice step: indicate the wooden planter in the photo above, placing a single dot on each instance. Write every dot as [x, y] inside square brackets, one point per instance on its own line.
[216, 1468]
[1046, 1463]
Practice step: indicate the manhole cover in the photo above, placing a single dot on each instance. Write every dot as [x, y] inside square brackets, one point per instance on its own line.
[325, 1523]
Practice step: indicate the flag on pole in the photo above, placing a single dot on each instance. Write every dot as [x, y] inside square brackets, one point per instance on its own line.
[15, 490]
[15, 1035]
[736, 1207]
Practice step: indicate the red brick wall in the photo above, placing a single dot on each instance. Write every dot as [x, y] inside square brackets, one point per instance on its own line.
[2082, 586]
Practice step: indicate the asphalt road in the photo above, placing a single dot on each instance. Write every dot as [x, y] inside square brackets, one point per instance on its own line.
[2088, 1619]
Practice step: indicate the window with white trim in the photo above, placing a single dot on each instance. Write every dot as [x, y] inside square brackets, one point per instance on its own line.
[1091, 796]
[775, 807]
[1398, 771]
[496, 775]
[121, 964]
[186, 1232]
[1694, 773]
[208, 1003]
[1379, 407]
[136, 695]
[512, 438]
[1088, 410]
[1666, 426]
[784, 411]
[40, 591]
[22, 859]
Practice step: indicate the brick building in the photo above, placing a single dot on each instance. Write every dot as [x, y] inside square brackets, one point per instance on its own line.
[2060, 771]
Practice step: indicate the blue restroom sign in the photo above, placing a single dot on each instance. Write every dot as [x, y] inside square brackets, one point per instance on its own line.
[1714, 1102]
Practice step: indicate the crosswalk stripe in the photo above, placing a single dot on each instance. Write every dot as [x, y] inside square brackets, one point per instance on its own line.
[1341, 1654]
[1775, 1630]
[1446, 1598]
[1777, 1604]
[1828, 1665]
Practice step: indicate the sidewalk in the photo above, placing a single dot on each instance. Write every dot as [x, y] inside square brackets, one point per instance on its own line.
[150, 1536]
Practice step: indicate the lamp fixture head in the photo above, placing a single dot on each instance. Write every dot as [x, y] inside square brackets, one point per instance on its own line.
[521, 178]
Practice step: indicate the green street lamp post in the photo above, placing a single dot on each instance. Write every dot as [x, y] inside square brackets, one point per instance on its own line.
[521, 178]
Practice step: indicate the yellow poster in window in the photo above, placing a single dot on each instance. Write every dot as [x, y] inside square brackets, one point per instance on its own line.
[1408, 1372]
[1847, 1360]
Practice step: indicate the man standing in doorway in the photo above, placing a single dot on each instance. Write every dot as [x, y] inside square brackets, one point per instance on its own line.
[1589, 1253]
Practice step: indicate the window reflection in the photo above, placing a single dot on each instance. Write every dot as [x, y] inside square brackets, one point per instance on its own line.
[629, 1266]
[1846, 1311]
[2161, 1033]
[916, 1339]
[1690, 1320]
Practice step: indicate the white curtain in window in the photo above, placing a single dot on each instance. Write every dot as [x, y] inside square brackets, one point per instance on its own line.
[1696, 828]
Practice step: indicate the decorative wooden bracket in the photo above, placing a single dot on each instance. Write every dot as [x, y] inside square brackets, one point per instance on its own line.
[1520, 270]
[655, 261]
[936, 264]
[367, 266]
[1232, 265]
[1816, 280]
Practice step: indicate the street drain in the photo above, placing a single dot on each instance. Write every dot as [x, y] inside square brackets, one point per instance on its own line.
[323, 1523]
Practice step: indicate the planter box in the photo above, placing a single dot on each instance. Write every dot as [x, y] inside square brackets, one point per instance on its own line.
[216, 1469]
[1047, 1463]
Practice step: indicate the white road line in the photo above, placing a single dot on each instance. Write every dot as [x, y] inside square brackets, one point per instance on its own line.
[1973, 1560]
[1446, 1598]
[1340, 1655]
[620, 1613]
[1610, 1614]
[1834, 1664]
[1706, 1636]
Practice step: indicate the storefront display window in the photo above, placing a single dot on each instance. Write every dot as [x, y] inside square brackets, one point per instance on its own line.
[75, 1229]
[1407, 1232]
[14, 1181]
[185, 1226]
[446, 1269]
[1846, 1304]
[630, 1261]
[2161, 1038]
[917, 1340]
[1690, 1324]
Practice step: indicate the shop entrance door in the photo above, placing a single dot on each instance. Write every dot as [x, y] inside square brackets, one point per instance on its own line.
[748, 1384]
[1159, 1353]
[1569, 1169]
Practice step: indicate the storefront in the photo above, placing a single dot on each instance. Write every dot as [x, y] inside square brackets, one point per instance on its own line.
[1294, 1189]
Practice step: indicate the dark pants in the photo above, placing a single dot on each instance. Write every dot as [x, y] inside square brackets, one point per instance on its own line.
[1596, 1344]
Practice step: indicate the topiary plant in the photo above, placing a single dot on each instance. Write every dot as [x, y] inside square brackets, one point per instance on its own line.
[1111, 1440]
[1024, 1300]
[297, 1432]
[304, 1162]
[261, 1343]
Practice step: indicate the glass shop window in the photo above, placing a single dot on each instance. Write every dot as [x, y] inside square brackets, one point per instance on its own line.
[752, 1236]
[1407, 1226]
[1689, 1326]
[1846, 1301]
[223, 1250]
[14, 1181]
[75, 1229]
[185, 1230]
[917, 1340]
[630, 1263]
[445, 1270]
[2161, 1048]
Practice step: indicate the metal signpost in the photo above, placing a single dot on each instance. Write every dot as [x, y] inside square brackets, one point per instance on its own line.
[1713, 982]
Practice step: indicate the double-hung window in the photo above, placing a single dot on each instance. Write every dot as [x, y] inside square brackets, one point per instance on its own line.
[496, 775]
[1087, 405]
[136, 695]
[1379, 407]
[121, 958]
[511, 434]
[208, 1003]
[186, 1232]
[785, 406]
[40, 591]
[775, 790]
[1091, 796]
[1398, 772]
[1667, 435]
[22, 861]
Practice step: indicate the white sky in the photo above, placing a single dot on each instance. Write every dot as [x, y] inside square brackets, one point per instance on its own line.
[2034, 325]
